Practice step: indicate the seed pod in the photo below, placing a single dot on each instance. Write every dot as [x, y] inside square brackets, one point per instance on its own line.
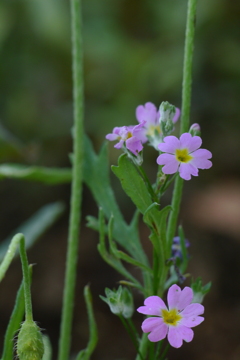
[30, 344]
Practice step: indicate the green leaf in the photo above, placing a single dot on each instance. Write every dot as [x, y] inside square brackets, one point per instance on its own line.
[157, 221]
[50, 176]
[111, 259]
[93, 338]
[47, 355]
[132, 183]
[14, 324]
[96, 177]
[34, 227]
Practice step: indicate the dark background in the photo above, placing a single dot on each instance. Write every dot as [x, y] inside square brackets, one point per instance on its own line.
[133, 53]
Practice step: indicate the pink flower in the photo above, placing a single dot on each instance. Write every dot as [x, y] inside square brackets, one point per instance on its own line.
[176, 321]
[152, 118]
[183, 155]
[130, 136]
[149, 114]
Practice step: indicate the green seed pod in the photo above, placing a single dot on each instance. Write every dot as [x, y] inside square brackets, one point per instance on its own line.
[30, 344]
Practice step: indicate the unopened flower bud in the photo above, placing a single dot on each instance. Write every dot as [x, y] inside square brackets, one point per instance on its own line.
[120, 301]
[195, 130]
[30, 344]
[167, 113]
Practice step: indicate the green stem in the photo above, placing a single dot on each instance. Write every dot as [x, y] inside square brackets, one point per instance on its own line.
[144, 344]
[131, 334]
[76, 191]
[186, 103]
[26, 279]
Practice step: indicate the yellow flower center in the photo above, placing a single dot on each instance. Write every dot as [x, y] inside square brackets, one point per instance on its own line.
[152, 129]
[129, 135]
[183, 156]
[171, 317]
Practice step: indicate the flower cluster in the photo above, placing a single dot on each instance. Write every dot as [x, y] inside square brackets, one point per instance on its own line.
[174, 321]
[155, 126]
[149, 129]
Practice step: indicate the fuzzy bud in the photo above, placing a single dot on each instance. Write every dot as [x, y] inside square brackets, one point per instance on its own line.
[120, 301]
[195, 130]
[167, 113]
[30, 344]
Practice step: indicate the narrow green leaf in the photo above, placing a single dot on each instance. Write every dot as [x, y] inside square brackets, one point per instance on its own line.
[47, 355]
[50, 176]
[8, 257]
[14, 325]
[111, 259]
[93, 334]
[34, 227]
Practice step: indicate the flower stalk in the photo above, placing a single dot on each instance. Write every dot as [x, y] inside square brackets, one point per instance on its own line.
[76, 190]
[186, 104]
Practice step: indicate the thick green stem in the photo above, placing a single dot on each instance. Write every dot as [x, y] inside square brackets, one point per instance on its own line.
[186, 103]
[26, 279]
[76, 191]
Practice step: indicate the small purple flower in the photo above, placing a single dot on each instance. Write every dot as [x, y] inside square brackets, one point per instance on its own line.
[176, 247]
[183, 155]
[130, 136]
[174, 321]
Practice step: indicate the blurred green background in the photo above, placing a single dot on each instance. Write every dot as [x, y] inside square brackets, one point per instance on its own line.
[133, 53]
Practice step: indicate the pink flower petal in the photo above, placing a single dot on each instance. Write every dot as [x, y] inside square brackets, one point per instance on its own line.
[185, 298]
[173, 296]
[153, 306]
[200, 159]
[112, 137]
[147, 113]
[176, 116]
[158, 333]
[192, 321]
[119, 144]
[134, 145]
[139, 131]
[157, 328]
[170, 162]
[190, 142]
[151, 323]
[186, 170]
[177, 334]
[193, 310]
[170, 144]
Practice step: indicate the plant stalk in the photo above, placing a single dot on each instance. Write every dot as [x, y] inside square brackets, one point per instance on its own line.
[186, 104]
[76, 190]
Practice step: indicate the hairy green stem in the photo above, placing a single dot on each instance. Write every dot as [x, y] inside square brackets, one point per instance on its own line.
[186, 103]
[76, 191]
[26, 279]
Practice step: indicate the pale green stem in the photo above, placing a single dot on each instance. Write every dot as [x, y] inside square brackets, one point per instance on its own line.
[186, 103]
[26, 279]
[76, 191]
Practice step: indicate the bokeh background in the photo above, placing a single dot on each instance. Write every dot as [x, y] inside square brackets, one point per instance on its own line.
[133, 53]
